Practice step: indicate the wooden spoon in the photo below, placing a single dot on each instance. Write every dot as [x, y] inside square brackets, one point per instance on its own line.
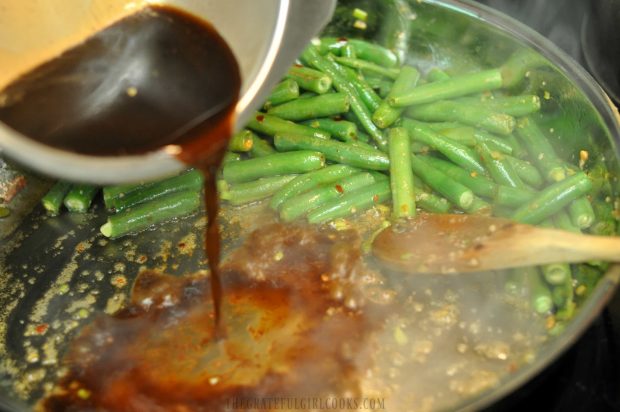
[434, 243]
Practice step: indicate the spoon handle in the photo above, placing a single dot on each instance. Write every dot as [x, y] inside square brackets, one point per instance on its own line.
[560, 246]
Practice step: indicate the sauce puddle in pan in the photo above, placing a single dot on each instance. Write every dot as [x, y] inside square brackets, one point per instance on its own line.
[291, 329]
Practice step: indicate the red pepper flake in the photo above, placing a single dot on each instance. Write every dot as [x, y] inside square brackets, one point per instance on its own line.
[119, 281]
[41, 329]
[339, 189]
[375, 198]
[11, 189]
[260, 117]
[181, 245]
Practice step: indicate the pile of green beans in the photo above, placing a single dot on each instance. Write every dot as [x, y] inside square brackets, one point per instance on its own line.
[76, 198]
[459, 143]
[352, 126]
[137, 207]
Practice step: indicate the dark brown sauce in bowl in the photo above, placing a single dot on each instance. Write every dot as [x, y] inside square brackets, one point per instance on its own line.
[157, 78]
[133, 87]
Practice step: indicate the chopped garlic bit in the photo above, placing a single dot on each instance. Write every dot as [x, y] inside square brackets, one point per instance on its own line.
[360, 14]
[361, 25]
[278, 256]
[400, 337]
[583, 158]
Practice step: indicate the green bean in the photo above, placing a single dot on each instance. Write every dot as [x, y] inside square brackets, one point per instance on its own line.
[110, 193]
[231, 157]
[309, 181]
[518, 64]
[363, 145]
[430, 202]
[401, 175]
[311, 56]
[479, 206]
[581, 213]
[478, 184]
[351, 202]
[517, 148]
[458, 194]
[457, 153]
[147, 214]
[248, 192]
[540, 150]
[540, 294]
[284, 91]
[468, 136]
[563, 297]
[324, 105]
[261, 147]
[310, 79]
[302, 204]
[191, 180]
[348, 51]
[305, 95]
[586, 278]
[362, 137]
[555, 273]
[80, 197]
[494, 143]
[365, 92]
[342, 130]
[517, 106]
[605, 221]
[601, 179]
[436, 75]
[335, 151]
[241, 141]
[455, 86]
[464, 135]
[499, 168]
[385, 115]
[52, 201]
[271, 165]
[380, 84]
[561, 220]
[363, 50]
[453, 110]
[526, 171]
[363, 65]
[512, 196]
[553, 198]
[270, 125]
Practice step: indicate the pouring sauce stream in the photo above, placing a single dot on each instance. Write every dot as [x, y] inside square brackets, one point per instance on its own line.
[158, 78]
